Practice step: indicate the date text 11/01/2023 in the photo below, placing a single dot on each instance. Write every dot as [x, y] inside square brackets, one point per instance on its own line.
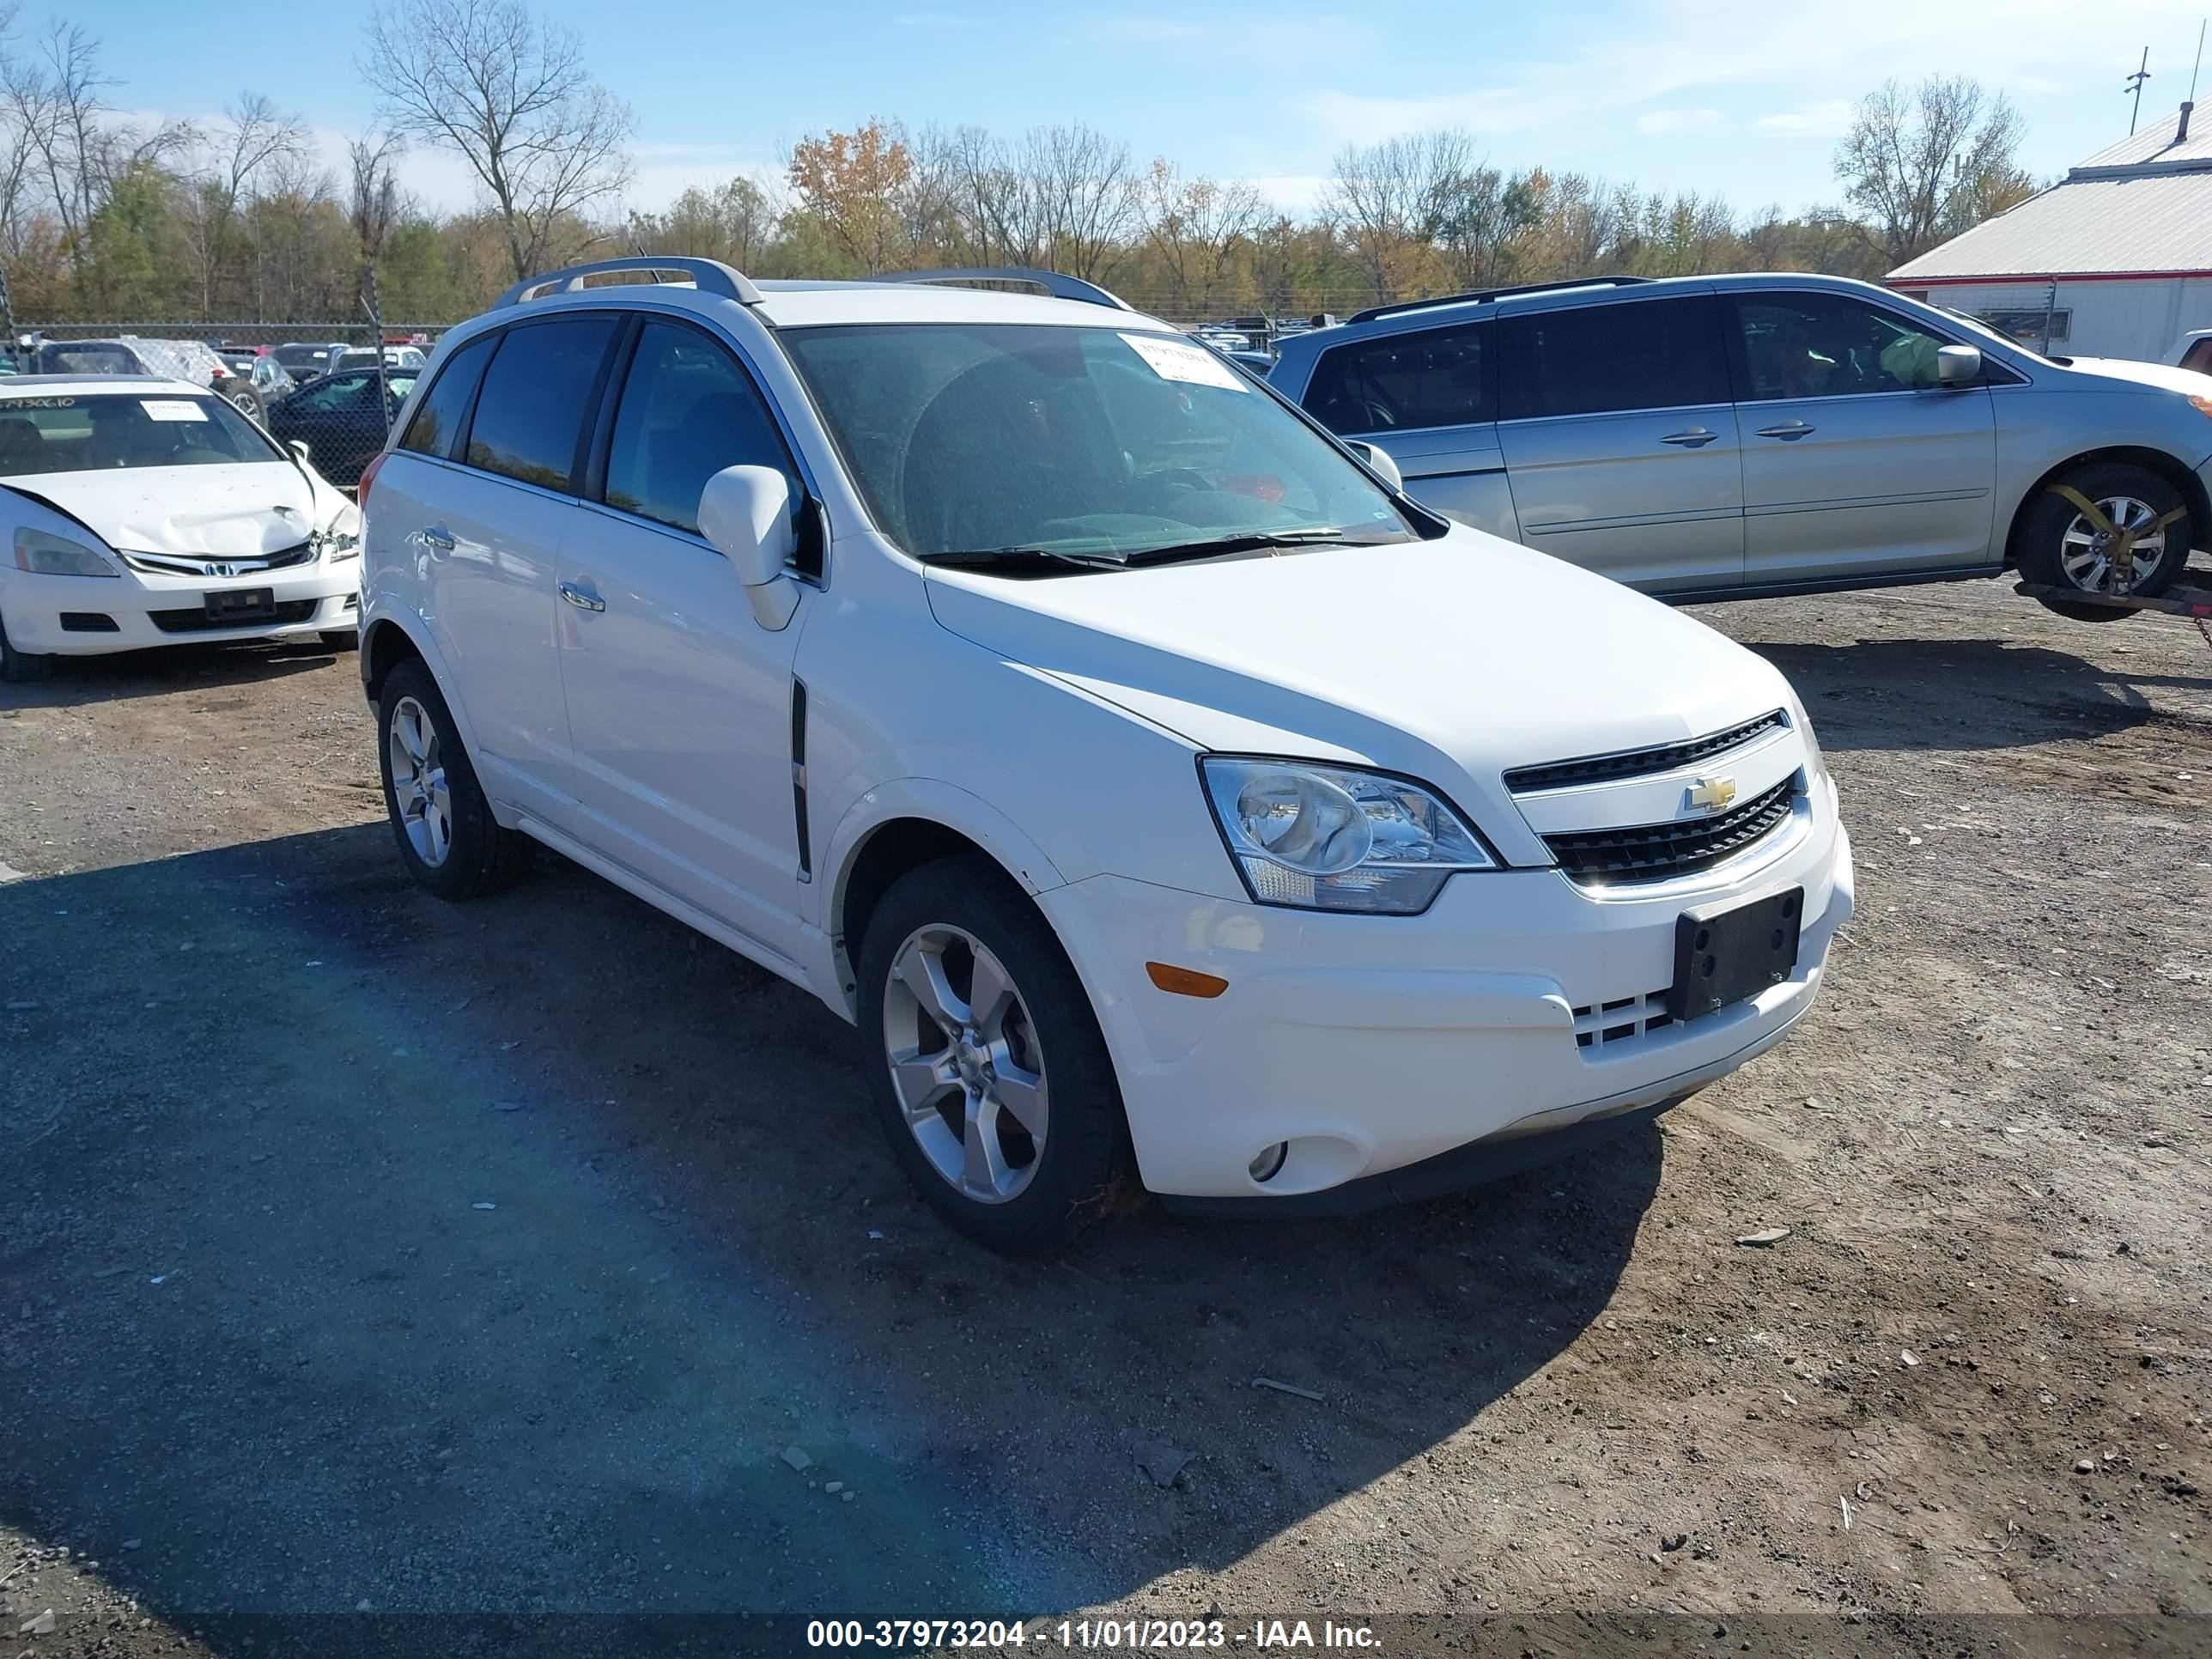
[1132, 1635]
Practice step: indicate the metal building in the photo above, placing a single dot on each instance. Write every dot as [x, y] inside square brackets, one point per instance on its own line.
[2115, 259]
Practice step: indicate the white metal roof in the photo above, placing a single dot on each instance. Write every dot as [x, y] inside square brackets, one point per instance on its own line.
[2141, 206]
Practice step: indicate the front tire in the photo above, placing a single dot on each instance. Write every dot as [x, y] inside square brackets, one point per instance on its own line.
[989, 1073]
[2059, 545]
[18, 667]
[449, 839]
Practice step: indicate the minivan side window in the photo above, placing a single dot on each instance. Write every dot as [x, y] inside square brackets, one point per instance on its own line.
[688, 409]
[537, 393]
[1403, 381]
[1830, 345]
[1619, 357]
[437, 419]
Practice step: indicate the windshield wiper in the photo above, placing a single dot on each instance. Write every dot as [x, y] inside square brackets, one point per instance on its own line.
[1033, 561]
[1242, 541]
[1025, 561]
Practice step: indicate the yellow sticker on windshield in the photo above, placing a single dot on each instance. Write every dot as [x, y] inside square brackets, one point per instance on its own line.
[1172, 359]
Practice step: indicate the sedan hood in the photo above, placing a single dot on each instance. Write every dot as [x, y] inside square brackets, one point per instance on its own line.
[1452, 661]
[239, 511]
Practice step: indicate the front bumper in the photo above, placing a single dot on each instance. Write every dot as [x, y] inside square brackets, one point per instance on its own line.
[91, 615]
[1372, 1044]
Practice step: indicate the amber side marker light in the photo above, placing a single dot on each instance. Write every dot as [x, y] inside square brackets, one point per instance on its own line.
[1185, 981]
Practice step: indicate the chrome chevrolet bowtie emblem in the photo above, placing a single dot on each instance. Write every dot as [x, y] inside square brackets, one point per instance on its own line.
[1712, 794]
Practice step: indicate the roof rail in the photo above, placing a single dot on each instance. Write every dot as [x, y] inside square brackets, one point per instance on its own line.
[1060, 287]
[1373, 312]
[708, 276]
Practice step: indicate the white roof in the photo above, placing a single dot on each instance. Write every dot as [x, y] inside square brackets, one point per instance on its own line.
[801, 305]
[68, 386]
[2141, 206]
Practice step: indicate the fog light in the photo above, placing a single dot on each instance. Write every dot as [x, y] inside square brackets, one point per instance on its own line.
[1269, 1163]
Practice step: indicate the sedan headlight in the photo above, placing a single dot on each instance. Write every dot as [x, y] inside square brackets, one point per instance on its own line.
[342, 540]
[1326, 838]
[58, 555]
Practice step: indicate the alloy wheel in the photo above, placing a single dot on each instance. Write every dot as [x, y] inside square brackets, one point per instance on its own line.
[965, 1063]
[2085, 552]
[418, 783]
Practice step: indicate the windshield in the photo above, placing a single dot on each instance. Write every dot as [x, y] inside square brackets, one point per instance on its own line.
[83, 433]
[1016, 438]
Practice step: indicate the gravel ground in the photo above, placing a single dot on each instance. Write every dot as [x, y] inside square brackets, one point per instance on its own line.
[361, 1252]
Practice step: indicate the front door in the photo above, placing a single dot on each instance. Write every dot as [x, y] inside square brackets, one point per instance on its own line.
[1858, 461]
[1620, 441]
[679, 701]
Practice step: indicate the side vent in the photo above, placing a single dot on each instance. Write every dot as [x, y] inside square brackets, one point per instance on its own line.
[798, 775]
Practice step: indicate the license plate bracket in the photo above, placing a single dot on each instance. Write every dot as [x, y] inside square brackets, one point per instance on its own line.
[1726, 952]
[241, 604]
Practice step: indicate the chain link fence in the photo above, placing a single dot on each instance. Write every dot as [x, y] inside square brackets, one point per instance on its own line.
[334, 386]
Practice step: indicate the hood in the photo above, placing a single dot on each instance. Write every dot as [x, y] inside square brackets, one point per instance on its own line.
[239, 511]
[1451, 661]
[2165, 376]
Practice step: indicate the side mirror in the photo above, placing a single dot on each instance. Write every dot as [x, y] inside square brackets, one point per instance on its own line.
[745, 512]
[298, 447]
[1958, 365]
[1379, 463]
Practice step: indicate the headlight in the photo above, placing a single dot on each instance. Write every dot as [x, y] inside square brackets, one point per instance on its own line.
[1325, 838]
[58, 555]
[342, 539]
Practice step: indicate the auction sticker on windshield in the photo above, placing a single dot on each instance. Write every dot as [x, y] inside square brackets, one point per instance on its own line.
[1179, 360]
[172, 409]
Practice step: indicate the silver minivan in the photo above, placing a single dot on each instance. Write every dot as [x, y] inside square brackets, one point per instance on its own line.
[1732, 437]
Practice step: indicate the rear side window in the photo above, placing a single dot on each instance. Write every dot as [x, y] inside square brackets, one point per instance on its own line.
[1591, 360]
[688, 409]
[2199, 357]
[438, 417]
[530, 416]
[1404, 381]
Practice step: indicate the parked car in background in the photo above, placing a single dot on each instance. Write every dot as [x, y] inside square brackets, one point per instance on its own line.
[141, 511]
[342, 419]
[303, 360]
[271, 380]
[192, 361]
[1729, 437]
[1169, 803]
[365, 357]
[2193, 351]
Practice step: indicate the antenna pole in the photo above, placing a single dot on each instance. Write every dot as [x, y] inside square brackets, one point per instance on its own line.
[2199, 63]
[2135, 85]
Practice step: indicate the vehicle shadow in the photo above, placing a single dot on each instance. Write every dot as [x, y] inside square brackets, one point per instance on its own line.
[489, 1259]
[1961, 694]
[79, 680]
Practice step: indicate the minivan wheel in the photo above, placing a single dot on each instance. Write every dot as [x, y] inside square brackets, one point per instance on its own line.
[448, 838]
[2059, 544]
[988, 1070]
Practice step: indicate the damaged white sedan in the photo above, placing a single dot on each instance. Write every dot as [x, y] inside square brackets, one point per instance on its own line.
[138, 512]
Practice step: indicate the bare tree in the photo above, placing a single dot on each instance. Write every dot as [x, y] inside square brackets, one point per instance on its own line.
[1923, 163]
[511, 95]
[1192, 225]
[1393, 200]
[1084, 191]
[253, 135]
[372, 189]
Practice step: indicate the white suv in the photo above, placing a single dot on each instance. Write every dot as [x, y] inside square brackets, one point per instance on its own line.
[1173, 805]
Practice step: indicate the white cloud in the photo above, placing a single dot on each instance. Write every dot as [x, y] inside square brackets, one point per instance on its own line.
[1292, 192]
[1828, 119]
[1659, 122]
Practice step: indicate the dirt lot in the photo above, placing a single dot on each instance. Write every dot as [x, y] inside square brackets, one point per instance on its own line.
[358, 1252]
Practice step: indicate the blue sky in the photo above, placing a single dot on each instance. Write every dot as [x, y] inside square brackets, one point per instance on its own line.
[1742, 98]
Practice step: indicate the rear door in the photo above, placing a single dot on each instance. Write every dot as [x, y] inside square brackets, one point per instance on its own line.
[679, 702]
[1857, 462]
[488, 540]
[1620, 441]
[1425, 398]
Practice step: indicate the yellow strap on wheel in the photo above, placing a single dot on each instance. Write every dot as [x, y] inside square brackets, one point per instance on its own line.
[2122, 553]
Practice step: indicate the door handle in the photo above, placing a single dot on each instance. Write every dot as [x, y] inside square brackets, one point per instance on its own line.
[1794, 429]
[582, 598]
[437, 539]
[1696, 438]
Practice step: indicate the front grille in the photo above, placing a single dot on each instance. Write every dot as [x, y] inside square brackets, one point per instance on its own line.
[172, 564]
[1654, 851]
[199, 622]
[1619, 1021]
[1640, 763]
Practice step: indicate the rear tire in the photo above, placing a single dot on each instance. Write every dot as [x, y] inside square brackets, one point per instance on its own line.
[2057, 545]
[1003, 1110]
[18, 667]
[449, 839]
